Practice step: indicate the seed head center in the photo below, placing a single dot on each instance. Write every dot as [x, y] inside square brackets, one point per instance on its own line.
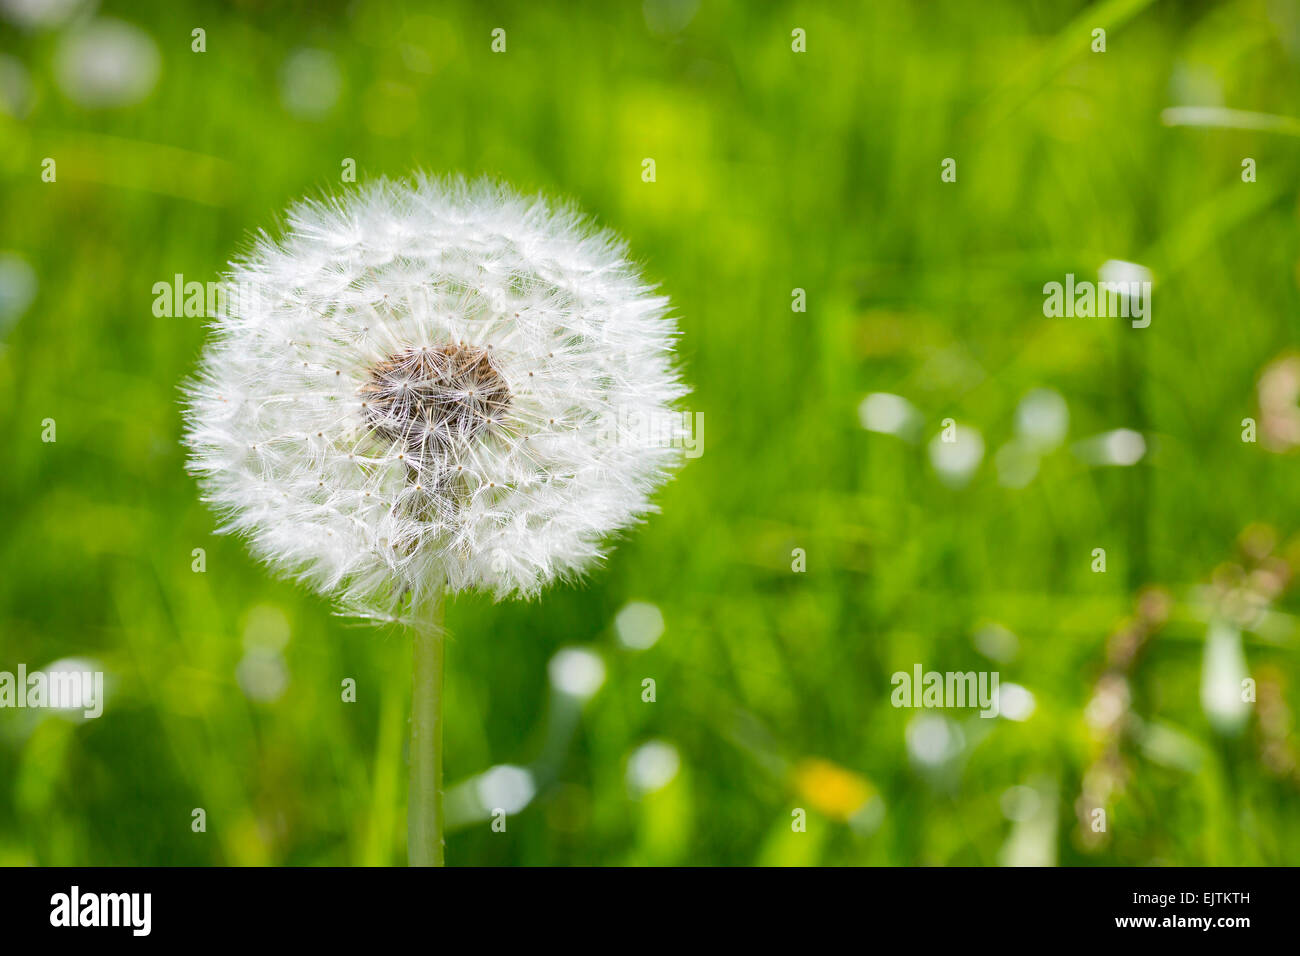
[431, 398]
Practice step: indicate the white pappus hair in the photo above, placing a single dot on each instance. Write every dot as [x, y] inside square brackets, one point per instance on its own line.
[433, 384]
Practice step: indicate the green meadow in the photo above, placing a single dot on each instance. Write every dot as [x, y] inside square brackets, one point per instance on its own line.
[1113, 528]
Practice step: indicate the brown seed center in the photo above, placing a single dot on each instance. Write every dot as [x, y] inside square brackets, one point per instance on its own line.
[434, 397]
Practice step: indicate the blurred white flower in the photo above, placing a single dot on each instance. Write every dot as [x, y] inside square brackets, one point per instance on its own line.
[652, 767]
[76, 688]
[1125, 274]
[424, 385]
[933, 740]
[1020, 802]
[889, 414]
[1033, 838]
[1222, 672]
[577, 672]
[17, 288]
[310, 82]
[106, 63]
[1122, 447]
[1278, 390]
[44, 14]
[1042, 419]
[505, 787]
[263, 674]
[639, 625]
[956, 461]
[996, 642]
[1015, 702]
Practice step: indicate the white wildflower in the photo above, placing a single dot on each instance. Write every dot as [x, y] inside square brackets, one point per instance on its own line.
[433, 384]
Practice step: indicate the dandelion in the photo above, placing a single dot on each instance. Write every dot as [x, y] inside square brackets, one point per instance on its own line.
[425, 388]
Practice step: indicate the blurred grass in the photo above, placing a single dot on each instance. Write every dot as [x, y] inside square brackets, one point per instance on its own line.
[775, 171]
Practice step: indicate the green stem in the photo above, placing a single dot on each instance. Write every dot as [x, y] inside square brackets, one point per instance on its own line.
[424, 804]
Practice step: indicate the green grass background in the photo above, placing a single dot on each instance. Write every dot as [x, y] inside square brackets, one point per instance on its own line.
[775, 170]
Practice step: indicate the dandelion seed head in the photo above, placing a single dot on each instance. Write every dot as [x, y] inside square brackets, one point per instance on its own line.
[421, 385]
[431, 398]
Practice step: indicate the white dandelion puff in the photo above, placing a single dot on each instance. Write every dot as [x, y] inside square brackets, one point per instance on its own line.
[427, 385]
